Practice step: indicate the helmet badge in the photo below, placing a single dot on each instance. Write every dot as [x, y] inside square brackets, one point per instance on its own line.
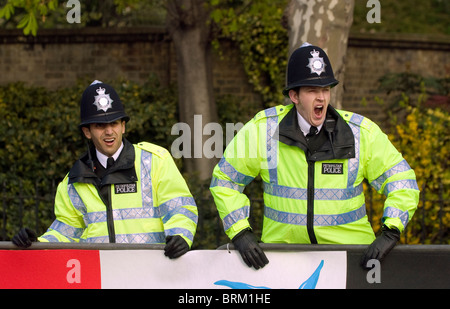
[102, 100]
[316, 63]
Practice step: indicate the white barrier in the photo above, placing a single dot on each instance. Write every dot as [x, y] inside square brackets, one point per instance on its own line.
[294, 266]
[150, 269]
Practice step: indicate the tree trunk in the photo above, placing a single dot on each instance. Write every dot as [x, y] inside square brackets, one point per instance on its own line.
[187, 24]
[325, 24]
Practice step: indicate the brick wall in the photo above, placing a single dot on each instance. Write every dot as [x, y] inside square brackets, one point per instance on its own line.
[369, 57]
[57, 58]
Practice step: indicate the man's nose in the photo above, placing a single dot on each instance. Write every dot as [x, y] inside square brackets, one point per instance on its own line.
[108, 129]
[320, 95]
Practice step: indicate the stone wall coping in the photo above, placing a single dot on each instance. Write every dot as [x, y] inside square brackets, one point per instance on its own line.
[86, 35]
[400, 41]
[159, 33]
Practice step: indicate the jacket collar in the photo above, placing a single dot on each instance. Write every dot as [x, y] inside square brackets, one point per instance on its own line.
[123, 170]
[334, 141]
[103, 159]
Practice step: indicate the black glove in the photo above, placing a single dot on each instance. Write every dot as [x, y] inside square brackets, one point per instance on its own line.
[175, 247]
[24, 238]
[381, 246]
[252, 254]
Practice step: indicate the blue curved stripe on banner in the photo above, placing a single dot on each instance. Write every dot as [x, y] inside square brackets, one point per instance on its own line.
[310, 283]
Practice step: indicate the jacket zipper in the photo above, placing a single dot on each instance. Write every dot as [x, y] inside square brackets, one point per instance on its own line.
[310, 203]
[109, 215]
[110, 219]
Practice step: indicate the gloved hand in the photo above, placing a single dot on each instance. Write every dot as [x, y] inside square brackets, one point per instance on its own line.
[381, 246]
[175, 247]
[24, 238]
[247, 245]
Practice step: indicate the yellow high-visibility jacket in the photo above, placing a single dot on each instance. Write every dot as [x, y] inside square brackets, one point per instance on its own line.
[143, 199]
[313, 188]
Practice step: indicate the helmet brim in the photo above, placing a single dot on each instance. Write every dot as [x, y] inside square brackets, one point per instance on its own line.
[313, 82]
[105, 118]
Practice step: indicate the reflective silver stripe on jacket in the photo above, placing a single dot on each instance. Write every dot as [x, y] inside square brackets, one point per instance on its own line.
[319, 194]
[403, 166]
[235, 216]
[319, 220]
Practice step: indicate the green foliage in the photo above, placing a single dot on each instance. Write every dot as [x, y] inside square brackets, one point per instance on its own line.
[41, 140]
[424, 141]
[36, 14]
[39, 137]
[262, 40]
[421, 135]
[32, 11]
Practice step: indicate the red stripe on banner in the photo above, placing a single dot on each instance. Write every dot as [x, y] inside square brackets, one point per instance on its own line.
[50, 269]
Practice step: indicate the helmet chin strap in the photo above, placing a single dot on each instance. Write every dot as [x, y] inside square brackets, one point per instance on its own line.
[330, 123]
[90, 162]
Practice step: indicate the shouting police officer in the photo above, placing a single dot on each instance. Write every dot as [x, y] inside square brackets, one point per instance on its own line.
[312, 159]
[119, 192]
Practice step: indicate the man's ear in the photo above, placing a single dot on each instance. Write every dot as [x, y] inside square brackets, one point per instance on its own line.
[293, 95]
[87, 132]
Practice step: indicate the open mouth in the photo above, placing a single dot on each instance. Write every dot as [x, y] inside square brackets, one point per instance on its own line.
[109, 141]
[318, 110]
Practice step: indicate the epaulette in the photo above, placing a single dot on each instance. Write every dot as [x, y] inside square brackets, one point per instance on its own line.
[155, 149]
[356, 119]
[272, 112]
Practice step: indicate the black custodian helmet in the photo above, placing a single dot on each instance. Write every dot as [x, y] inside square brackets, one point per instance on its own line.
[100, 103]
[309, 66]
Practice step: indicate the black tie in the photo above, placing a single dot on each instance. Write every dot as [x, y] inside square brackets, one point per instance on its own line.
[312, 131]
[109, 162]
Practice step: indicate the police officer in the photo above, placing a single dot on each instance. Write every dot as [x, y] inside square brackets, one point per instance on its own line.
[312, 159]
[119, 192]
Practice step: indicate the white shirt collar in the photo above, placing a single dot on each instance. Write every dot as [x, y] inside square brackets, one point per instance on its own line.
[102, 158]
[305, 126]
